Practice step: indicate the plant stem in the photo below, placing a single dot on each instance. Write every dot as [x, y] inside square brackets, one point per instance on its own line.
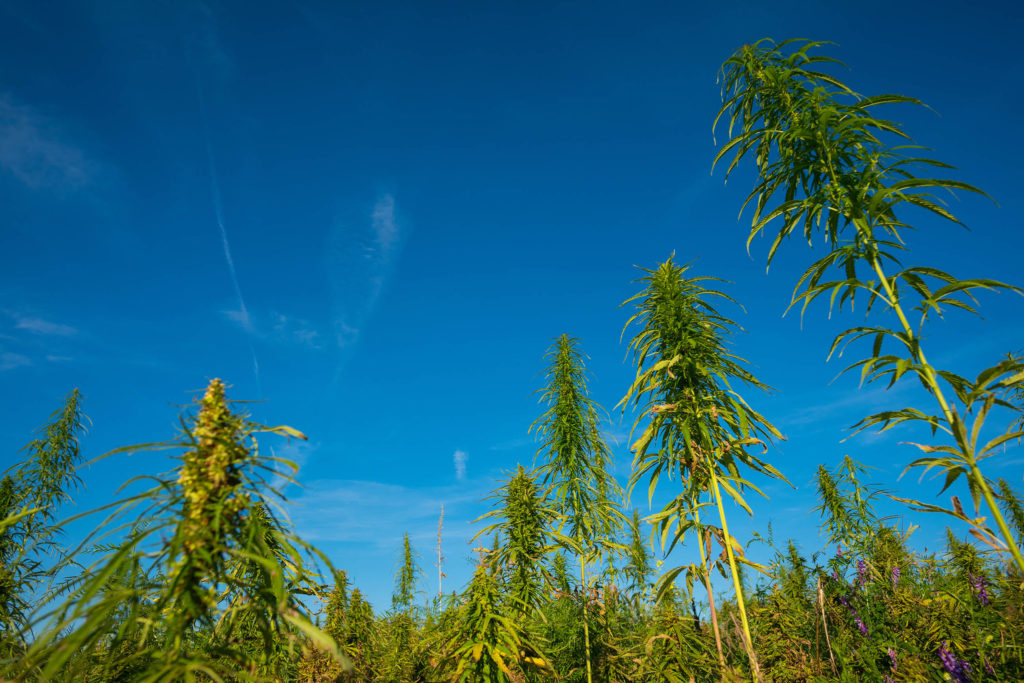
[740, 602]
[707, 584]
[865, 233]
[936, 390]
[853, 211]
[586, 622]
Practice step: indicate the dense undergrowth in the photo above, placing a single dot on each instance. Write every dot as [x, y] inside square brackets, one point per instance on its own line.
[194, 575]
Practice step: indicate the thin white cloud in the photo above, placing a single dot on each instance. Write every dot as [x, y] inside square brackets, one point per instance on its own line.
[278, 328]
[34, 151]
[460, 458]
[40, 326]
[352, 511]
[360, 255]
[866, 399]
[292, 330]
[218, 212]
[384, 222]
[10, 361]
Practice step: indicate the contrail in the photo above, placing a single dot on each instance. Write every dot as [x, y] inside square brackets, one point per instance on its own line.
[218, 210]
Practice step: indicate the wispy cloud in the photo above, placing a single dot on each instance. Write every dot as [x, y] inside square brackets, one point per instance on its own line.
[360, 255]
[46, 327]
[384, 222]
[10, 361]
[36, 152]
[352, 511]
[278, 328]
[460, 458]
[24, 328]
[218, 211]
[867, 399]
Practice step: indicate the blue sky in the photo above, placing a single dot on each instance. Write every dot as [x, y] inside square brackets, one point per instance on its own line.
[375, 216]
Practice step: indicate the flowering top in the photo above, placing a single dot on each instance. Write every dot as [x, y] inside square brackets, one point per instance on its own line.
[209, 475]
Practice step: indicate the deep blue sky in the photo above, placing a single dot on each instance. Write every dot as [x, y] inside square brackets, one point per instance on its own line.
[416, 198]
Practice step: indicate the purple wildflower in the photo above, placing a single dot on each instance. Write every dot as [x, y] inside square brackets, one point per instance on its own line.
[835, 575]
[860, 625]
[958, 669]
[862, 572]
[980, 586]
[888, 679]
[892, 658]
[988, 668]
[895, 576]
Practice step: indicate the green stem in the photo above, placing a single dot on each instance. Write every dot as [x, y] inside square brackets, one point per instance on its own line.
[707, 584]
[917, 353]
[740, 602]
[936, 389]
[586, 622]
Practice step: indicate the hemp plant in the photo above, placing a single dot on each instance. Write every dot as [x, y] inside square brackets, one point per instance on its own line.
[406, 577]
[31, 494]
[574, 461]
[699, 428]
[196, 579]
[524, 516]
[638, 569]
[826, 164]
[487, 643]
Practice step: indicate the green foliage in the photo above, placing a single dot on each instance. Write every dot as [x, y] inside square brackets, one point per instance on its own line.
[405, 579]
[1011, 503]
[575, 458]
[638, 568]
[827, 165]
[202, 557]
[33, 491]
[846, 505]
[486, 643]
[524, 517]
[700, 429]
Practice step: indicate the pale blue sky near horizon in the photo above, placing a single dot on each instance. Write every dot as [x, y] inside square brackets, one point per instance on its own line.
[374, 217]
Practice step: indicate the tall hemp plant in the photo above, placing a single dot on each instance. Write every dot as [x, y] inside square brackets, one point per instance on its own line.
[31, 493]
[826, 165]
[699, 428]
[574, 461]
[523, 518]
[194, 580]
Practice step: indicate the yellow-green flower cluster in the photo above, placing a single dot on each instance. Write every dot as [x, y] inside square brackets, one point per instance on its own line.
[209, 477]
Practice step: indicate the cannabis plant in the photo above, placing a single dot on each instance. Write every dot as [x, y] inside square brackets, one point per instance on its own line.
[524, 517]
[638, 569]
[694, 425]
[406, 577]
[574, 458]
[487, 643]
[31, 494]
[827, 165]
[195, 579]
